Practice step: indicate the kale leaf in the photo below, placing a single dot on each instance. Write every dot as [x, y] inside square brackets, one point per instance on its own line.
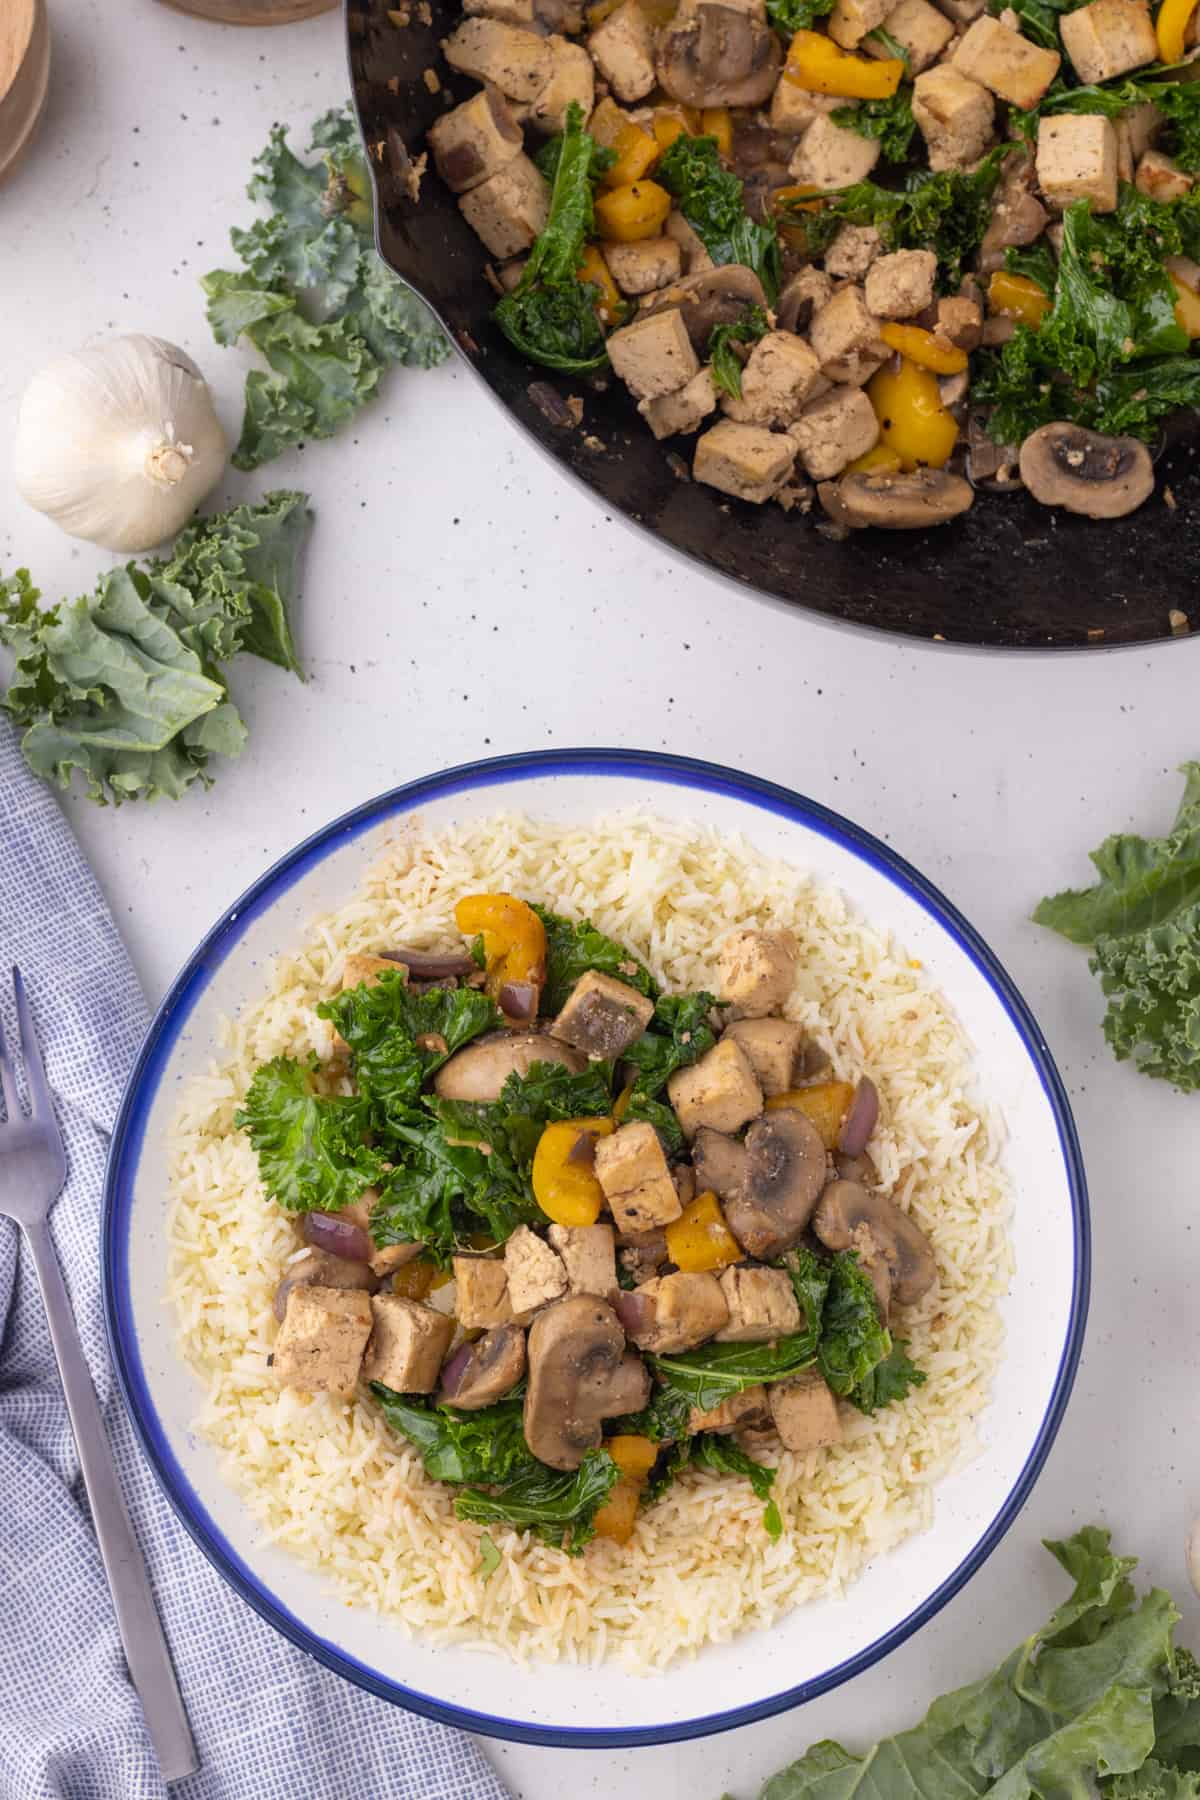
[854, 1341]
[551, 314]
[677, 1036]
[711, 199]
[790, 16]
[890, 121]
[483, 1446]
[313, 296]
[1073, 1710]
[561, 1508]
[382, 1025]
[310, 1147]
[722, 1456]
[571, 950]
[1142, 923]
[726, 369]
[125, 685]
[892, 1379]
[1178, 102]
[711, 1374]
[810, 1277]
[1111, 354]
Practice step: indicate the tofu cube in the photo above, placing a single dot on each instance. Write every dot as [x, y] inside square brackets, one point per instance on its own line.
[475, 140]
[844, 335]
[720, 1091]
[1108, 38]
[805, 1412]
[745, 1411]
[1003, 61]
[794, 108]
[1162, 179]
[654, 356]
[572, 81]
[831, 156]
[481, 1293]
[361, 970]
[535, 1274]
[322, 1339]
[775, 381]
[756, 970]
[962, 11]
[834, 430]
[407, 1345]
[677, 1312]
[918, 28]
[747, 461]
[588, 1255]
[686, 411]
[622, 48]
[633, 1173]
[1077, 160]
[852, 252]
[644, 267]
[954, 115]
[773, 1047]
[901, 285]
[850, 20]
[518, 62]
[762, 1305]
[602, 1016]
[509, 210]
[959, 321]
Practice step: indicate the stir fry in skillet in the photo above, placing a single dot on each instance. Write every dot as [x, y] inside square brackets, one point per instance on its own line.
[901, 251]
[577, 1234]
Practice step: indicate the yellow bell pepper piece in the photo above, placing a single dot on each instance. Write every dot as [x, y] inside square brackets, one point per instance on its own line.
[912, 420]
[567, 1191]
[621, 1103]
[879, 461]
[606, 122]
[700, 1239]
[618, 1516]
[634, 1456]
[1187, 305]
[717, 122]
[593, 268]
[667, 127]
[825, 1104]
[626, 214]
[815, 62]
[514, 939]
[923, 348]
[417, 1278]
[1170, 28]
[1018, 297]
[637, 152]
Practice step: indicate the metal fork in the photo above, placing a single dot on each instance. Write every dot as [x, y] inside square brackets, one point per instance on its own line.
[33, 1168]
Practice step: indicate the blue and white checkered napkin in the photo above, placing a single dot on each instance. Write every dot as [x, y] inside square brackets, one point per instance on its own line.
[269, 1723]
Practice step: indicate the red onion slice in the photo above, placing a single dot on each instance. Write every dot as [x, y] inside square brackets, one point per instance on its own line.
[861, 1120]
[518, 1001]
[327, 1232]
[636, 1312]
[453, 1370]
[433, 965]
[583, 1151]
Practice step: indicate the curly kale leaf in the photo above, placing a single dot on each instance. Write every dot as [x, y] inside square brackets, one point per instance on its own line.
[854, 1342]
[572, 950]
[723, 361]
[396, 1036]
[313, 296]
[889, 121]
[551, 314]
[712, 201]
[311, 1148]
[892, 1379]
[560, 1508]
[1142, 923]
[790, 16]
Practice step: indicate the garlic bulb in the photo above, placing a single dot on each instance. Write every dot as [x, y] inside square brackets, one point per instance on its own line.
[119, 443]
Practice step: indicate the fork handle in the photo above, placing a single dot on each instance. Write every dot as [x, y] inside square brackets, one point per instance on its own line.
[146, 1649]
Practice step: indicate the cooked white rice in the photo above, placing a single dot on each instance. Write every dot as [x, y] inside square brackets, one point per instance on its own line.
[330, 1481]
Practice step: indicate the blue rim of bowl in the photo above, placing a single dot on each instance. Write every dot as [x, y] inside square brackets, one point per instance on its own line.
[130, 1127]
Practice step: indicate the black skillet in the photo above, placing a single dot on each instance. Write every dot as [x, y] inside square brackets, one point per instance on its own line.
[1010, 574]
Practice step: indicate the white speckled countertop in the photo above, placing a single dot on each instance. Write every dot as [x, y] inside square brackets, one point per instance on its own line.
[460, 600]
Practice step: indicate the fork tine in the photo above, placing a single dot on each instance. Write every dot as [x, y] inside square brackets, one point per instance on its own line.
[31, 1049]
[8, 1081]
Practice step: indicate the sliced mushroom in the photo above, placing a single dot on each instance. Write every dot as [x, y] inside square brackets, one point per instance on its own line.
[711, 297]
[719, 1162]
[577, 1379]
[481, 1070]
[989, 464]
[480, 1373]
[1101, 477]
[851, 1218]
[317, 1268]
[717, 55]
[807, 290]
[856, 1168]
[642, 1253]
[1018, 216]
[907, 502]
[785, 1171]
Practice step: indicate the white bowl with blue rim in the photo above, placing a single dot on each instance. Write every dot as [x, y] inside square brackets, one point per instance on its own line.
[813, 1648]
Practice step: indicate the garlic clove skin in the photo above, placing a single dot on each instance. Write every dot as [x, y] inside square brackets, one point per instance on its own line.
[120, 442]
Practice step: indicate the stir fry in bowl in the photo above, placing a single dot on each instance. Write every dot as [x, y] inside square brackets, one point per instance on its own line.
[576, 1233]
[897, 252]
